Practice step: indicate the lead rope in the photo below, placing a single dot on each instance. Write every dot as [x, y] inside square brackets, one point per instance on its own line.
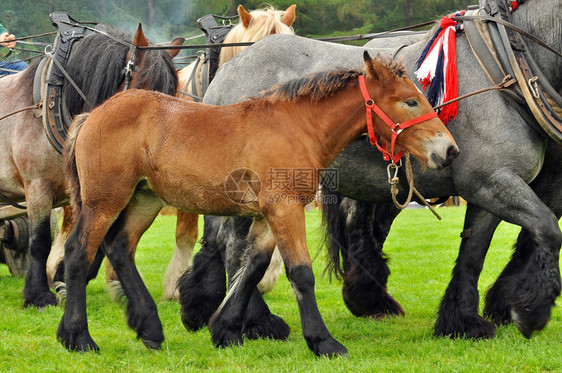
[412, 189]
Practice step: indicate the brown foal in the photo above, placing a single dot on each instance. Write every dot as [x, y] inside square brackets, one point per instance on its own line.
[140, 144]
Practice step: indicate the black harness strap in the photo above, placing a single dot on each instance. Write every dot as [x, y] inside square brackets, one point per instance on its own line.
[56, 118]
[207, 62]
[215, 35]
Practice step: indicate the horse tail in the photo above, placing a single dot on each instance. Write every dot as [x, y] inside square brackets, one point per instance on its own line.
[69, 164]
[334, 231]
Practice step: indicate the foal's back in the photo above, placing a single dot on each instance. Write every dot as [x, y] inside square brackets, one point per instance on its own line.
[176, 145]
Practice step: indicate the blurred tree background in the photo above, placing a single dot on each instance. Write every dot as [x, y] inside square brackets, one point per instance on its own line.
[165, 19]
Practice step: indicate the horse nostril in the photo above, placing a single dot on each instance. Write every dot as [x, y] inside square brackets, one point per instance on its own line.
[452, 152]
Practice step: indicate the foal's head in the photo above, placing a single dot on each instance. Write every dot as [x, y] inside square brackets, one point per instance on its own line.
[391, 89]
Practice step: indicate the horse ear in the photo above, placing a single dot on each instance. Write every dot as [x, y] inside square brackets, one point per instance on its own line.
[176, 41]
[375, 68]
[289, 16]
[245, 17]
[139, 40]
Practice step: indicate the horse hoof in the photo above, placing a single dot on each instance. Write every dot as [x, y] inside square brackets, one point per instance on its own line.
[268, 327]
[191, 319]
[153, 345]
[328, 347]
[76, 341]
[464, 327]
[227, 338]
[372, 305]
[388, 307]
[224, 336]
[529, 321]
[40, 300]
[149, 331]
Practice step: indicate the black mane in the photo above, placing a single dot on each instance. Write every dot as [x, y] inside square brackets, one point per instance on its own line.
[96, 66]
[316, 86]
[325, 83]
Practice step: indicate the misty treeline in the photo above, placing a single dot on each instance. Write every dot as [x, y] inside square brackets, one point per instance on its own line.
[165, 19]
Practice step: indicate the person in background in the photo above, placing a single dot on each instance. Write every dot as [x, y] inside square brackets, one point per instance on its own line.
[7, 40]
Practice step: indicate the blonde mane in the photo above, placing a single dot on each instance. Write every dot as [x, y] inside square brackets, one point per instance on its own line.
[259, 24]
[264, 22]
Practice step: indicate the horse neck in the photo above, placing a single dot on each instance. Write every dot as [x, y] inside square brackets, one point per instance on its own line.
[542, 19]
[328, 126]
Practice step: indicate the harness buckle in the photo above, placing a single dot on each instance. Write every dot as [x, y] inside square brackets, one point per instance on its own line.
[129, 68]
[534, 86]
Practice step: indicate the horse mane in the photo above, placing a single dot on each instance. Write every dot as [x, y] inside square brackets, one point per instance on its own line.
[96, 66]
[264, 22]
[325, 83]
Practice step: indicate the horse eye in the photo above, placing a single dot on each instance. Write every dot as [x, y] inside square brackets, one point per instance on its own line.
[412, 103]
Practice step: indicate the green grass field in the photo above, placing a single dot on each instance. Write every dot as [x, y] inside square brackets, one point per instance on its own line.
[422, 252]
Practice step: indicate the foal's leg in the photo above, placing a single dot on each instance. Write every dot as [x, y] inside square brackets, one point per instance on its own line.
[39, 199]
[458, 312]
[187, 230]
[141, 212]
[288, 225]
[366, 271]
[80, 250]
[134, 220]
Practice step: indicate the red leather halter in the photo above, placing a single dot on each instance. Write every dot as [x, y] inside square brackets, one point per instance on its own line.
[395, 127]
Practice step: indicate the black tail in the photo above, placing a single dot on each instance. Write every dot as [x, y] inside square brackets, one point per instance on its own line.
[335, 237]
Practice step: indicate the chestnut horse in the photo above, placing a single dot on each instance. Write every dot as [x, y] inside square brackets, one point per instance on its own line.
[143, 145]
[253, 26]
[30, 167]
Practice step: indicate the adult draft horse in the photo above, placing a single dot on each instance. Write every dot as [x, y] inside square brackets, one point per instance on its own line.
[357, 229]
[155, 145]
[253, 26]
[500, 155]
[30, 167]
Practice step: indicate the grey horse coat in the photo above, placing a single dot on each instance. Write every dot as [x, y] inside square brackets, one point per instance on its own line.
[500, 154]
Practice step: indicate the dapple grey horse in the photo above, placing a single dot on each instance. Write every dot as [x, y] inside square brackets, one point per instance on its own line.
[500, 154]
